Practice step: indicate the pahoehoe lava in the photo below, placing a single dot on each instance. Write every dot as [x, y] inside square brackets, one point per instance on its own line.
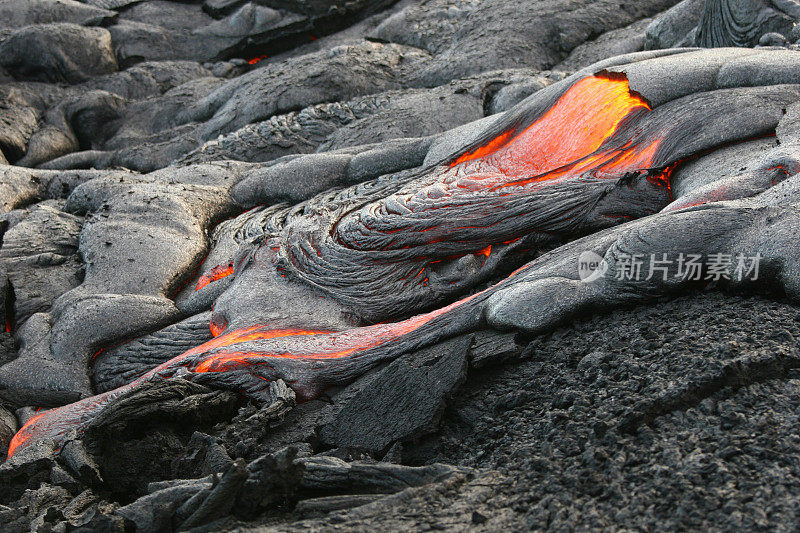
[264, 261]
[579, 158]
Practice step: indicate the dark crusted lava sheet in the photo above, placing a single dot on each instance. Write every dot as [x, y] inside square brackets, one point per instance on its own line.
[673, 416]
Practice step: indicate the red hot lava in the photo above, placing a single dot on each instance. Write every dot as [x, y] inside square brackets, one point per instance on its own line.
[218, 272]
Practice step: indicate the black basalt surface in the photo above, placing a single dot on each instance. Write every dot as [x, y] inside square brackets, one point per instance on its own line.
[680, 414]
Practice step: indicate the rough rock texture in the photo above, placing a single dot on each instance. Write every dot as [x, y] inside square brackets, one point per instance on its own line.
[122, 364]
[744, 22]
[159, 31]
[409, 394]
[375, 118]
[8, 426]
[673, 27]
[615, 42]
[40, 255]
[18, 13]
[717, 23]
[220, 221]
[469, 37]
[59, 52]
[679, 410]
[696, 410]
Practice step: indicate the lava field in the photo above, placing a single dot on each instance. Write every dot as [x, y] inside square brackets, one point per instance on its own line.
[305, 265]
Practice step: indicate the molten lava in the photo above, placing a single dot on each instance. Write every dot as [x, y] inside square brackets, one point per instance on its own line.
[572, 138]
[255, 60]
[545, 177]
[218, 272]
[24, 434]
[257, 348]
[575, 138]
[585, 117]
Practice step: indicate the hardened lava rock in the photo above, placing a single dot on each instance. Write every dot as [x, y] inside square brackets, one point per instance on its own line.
[58, 52]
[719, 23]
[373, 264]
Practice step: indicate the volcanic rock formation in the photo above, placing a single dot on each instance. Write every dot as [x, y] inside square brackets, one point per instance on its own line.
[252, 253]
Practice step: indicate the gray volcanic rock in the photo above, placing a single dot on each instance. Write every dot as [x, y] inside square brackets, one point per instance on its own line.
[334, 474]
[687, 401]
[720, 23]
[59, 52]
[39, 122]
[146, 136]
[111, 4]
[122, 364]
[148, 151]
[552, 438]
[18, 13]
[612, 43]
[21, 111]
[8, 427]
[6, 309]
[132, 204]
[80, 120]
[337, 74]
[363, 120]
[149, 78]
[21, 186]
[743, 22]
[220, 8]
[18, 187]
[139, 223]
[136, 41]
[321, 127]
[332, 390]
[159, 30]
[40, 255]
[725, 163]
[140, 239]
[471, 37]
[188, 31]
[672, 28]
[402, 401]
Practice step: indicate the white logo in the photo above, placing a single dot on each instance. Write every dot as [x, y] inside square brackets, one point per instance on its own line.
[591, 266]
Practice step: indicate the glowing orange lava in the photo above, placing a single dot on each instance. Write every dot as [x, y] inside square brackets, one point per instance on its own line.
[23, 434]
[218, 272]
[574, 128]
[579, 137]
[255, 60]
[305, 344]
[246, 335]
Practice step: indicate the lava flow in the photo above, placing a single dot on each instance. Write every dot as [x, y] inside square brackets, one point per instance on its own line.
[482, 203]
[472, 203]
[218, 272]
[551, 179]
[602, 101]
[261, 354]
